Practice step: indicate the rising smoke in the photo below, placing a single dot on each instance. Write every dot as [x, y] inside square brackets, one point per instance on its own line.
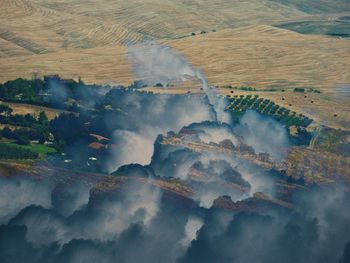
[142, 117]
[140, 225]
[154, 63]
[139, 221]
[265, 135]
[221, 174]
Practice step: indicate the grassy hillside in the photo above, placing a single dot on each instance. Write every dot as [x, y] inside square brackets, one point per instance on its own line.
[88, 39]
[317, 7]
[337, 28]
[265, 56]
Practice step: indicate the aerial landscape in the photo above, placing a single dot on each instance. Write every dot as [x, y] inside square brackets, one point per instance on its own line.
[174, 131]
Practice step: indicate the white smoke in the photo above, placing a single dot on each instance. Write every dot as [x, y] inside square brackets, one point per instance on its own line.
[16, 195]
[155, 63]
[137, 203]
[265, 135]
[217, 135]
[132, 148]
[192, 226]
[154, 116]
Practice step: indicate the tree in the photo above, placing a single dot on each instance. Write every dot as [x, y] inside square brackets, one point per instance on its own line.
[74, 107]
[299, 90]
[7, 133]
[4, 109]
[43, 118]
[23, 140]
[59, 144]
[9, 151]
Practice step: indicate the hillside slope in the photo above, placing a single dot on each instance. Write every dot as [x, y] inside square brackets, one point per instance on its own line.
[265, 56]
[88, 39]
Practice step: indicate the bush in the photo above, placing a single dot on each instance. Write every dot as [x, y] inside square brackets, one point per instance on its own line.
[4, 109]
[299, 90]
[22, 140]
[7, 133]
[43, 118]
[8, 151]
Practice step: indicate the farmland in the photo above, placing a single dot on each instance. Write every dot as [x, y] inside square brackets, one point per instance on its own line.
[238, 44]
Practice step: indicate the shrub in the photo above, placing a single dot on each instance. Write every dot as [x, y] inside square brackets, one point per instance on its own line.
[7, 133]
[4, 109]
[8, 151]
[299, 90]
[22, 140]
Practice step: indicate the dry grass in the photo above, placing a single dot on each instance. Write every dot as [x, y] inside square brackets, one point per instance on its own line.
[260, 56]
[76, 38]
[20, 108]
[265, 56]
[103, 65]
[322, 110]
[318, 166]
[103, 22]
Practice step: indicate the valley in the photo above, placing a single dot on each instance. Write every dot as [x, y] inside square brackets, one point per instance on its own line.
[174, 131]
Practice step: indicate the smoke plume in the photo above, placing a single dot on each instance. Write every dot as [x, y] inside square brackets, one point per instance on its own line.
[155, 63]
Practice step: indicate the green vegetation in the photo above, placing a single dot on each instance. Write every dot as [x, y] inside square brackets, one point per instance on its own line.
[41, 149]
[336, 28]
[313, 90]
[302, 90]
[246, 88]
[12, 151]
[240, 104]
[29, 128]
[21, 89]
[6, 110]
[52, 91]
[334, 141]
[29, 135]
[16, 144]
[299, 90]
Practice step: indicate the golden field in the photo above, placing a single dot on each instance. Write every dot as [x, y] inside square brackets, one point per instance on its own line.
[90, 38]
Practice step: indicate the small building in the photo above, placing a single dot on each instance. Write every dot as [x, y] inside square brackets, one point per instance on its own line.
[100, 143]
[96, 146]
[100, 138]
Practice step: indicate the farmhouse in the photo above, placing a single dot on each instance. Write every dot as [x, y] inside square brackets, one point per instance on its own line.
[100, 143]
